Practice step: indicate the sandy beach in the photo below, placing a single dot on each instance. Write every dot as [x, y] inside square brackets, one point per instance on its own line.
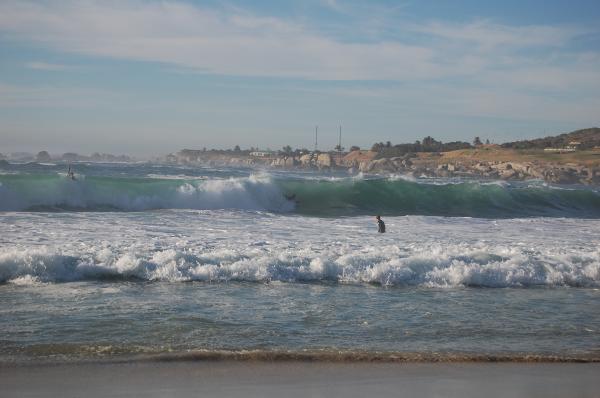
[300, 379]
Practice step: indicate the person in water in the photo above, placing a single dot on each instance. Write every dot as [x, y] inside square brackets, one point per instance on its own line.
[71, 174]
[380, 225]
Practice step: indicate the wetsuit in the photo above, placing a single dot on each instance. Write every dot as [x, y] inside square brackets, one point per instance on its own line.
[380, 226]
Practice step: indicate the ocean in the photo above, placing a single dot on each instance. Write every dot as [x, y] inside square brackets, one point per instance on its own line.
[136, 261]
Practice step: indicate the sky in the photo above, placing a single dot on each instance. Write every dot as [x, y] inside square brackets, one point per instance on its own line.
[149, 77]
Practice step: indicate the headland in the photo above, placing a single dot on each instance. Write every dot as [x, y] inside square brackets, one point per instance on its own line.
[571, 158]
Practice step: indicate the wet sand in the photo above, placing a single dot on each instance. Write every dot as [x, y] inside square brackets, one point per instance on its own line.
[301, 379]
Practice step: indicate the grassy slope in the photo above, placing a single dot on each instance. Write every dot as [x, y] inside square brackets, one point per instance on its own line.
[587, 158]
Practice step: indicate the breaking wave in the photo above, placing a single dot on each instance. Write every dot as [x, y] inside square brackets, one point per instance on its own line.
[453, 266]
[55, 192]
[316, 197]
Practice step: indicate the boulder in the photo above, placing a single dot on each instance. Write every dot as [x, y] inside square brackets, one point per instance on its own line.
[324, 160]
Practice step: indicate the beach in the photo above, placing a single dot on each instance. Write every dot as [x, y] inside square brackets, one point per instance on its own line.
[158, 280]
[301, 379]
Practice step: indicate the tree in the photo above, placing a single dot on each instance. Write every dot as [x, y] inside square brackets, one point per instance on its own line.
[237, 149]
[354, 148]
[287, 149]
[377, 147]
[477, 142]
[487, 141]
[43, 156]
[429, 144]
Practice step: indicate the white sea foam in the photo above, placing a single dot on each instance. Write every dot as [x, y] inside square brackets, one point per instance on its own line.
[402, 177]
[175, 177]
[232, 246]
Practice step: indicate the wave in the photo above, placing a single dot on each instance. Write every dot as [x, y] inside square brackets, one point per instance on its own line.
[318, 197]
[55, 192]
[442, 267]
[401, 196]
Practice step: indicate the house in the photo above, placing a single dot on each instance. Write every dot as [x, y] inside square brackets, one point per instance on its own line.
[261, 154]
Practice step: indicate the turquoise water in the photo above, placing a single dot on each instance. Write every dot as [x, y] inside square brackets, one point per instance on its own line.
[34, 187]
[143, 260]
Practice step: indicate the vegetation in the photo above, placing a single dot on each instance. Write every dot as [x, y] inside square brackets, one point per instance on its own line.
[589, 138]
[428, 144]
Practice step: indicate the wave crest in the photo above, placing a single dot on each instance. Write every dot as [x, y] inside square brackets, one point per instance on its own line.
[128, 194]
[444, 267]
[316, 197]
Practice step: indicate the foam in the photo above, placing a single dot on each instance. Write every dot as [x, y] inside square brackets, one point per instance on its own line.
[175, 177]
[427, 266]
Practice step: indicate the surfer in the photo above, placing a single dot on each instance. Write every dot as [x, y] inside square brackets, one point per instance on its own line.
[292, 198]
[71, 174]
[380, 225]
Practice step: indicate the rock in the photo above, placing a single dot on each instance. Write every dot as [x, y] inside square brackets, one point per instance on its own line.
[382, 166]
[306, 159]
[324, 160]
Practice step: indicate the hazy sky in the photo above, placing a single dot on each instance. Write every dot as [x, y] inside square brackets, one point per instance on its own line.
[151, 77]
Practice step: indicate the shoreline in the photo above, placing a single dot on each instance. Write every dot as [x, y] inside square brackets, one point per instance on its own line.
[301, 379]
[486, 161]
[332, 357]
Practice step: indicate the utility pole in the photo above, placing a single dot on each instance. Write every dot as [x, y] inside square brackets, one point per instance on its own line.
[339, 161]
[316, 138]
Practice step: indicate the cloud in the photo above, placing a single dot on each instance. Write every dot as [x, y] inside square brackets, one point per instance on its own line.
[220, 43]
[235, 42]
[480, 66]
[488, 35]
[45, 66]
[48, 96]
[333, 4]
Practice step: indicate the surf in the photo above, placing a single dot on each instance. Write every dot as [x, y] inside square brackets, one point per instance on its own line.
[312, 195]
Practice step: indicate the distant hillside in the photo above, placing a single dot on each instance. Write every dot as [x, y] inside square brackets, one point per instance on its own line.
[589, 138]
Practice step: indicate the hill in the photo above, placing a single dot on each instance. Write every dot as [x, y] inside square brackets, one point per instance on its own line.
[589, 138]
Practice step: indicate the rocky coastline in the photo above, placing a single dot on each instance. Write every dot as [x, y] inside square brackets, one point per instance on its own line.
[416, 165]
